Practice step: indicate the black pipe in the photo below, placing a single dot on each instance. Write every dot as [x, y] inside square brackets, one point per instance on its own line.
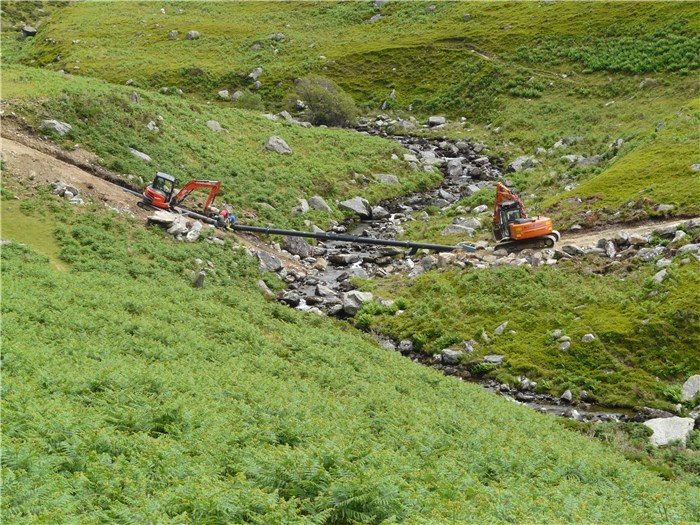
[330, 236]
[352, 238]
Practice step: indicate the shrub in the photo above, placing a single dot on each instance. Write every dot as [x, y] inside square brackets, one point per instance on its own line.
[326, 102]
[249, 100]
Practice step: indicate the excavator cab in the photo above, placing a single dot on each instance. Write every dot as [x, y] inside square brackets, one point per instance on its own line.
[160, 192]
[513, 229]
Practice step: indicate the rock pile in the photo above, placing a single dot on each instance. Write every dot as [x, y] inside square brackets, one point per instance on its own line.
[70, 193]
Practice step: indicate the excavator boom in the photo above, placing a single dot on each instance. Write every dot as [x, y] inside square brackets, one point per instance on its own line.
[192, 185]
[160, 192]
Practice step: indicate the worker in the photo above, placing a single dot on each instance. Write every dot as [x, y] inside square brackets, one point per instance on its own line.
[225, 219]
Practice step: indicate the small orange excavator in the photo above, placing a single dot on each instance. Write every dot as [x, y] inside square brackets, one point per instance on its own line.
[513, 229]
[160, 192]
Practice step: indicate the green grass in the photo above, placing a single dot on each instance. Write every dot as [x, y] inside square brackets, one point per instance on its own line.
[643, 343]
[131, 397]
[266, 185]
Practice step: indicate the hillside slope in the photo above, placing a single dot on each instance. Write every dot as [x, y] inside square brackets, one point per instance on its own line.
[199, 409]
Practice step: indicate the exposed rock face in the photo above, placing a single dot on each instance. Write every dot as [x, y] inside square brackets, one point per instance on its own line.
[690, 388]
[278, 145]
[57, 126]
[318, 203]
[298, 246]
[352, 301]
[357, 205]
[140, 155]
[670, 429]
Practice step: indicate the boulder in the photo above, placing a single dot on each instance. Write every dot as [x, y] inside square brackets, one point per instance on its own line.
[344, 259]
[357, 205]
[178, 227]
[637, 239]
[454, 168]
[379, 212]
[265, 289]
[480, 209]
[278, 145]
[56, 126]
[429, 157]
[610, 250]
[303, 207]
[152, 126]
[192, 35]
[450, 357]
[236, 95]
[255, 73]
[214, 126]
[199, 281]
[469, 222]
[436, 121]
[690, 388]
[494, 359]
[501, 328]
[173, 34]
[660, 276]
[572, 249]
[588, 338]
[164, 218]
[269, 262]
[140, 155]
[521, 163]
[317, 203]
[392, 180]
[352, 301]
[689, 248]
[567, 396]
[590, 161]
[457, 229]
[223, 93]
[564, 346]
[663, 208]
[298, 246]
[195, 231]
[670, 429]
[28, 31]
[572, 159]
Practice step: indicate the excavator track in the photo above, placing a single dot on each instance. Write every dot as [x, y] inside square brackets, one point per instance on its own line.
[545, 241]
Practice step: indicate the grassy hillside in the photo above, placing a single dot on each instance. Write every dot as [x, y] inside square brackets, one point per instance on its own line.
[645, 346]
[130, 396]
[264, 185]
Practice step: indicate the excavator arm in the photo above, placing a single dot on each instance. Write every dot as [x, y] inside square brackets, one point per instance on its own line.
[192, 185]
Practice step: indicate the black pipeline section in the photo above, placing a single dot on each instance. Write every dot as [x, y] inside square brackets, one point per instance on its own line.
[327, 236]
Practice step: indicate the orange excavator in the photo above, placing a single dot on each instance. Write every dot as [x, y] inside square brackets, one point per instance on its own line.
[160, 192]
[513, 229]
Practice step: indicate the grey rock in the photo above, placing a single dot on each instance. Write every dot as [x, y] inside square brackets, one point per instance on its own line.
[61, 128]
[317, 203]
[660, 276]
[695, 167]
[164, 218]
[140, 155]
[152, 126]
[375, 18]
[383, 178]
[610, 250]
[173, 34]
[666, 232]
[223, 93]
[572, 250]
[265, 289]
[662, 208]
[135, 97]
[238, 94]
[564, 346]
[501, 328]
[352, 301]
[278, 145]
[298, 246]
[287, 116]
[572, 159]
[480, 209]
[521, 163]
[689, 248]
[199, 281]
[357, 205]
[379, 212]
[344, 259]
[303, 207]
[670, 429]
[178, 226]
[456, 229]
[195, 231]
[590, 161]
[638, 239]
[494, 359]
[324, 291]
[405, 346]
[690, 388]
[214, 126]
[450, 357]
[588, 338]
[466, 17]
[454, 168]
[436, 121]
[469, 222]
[269, 262]
[28, 31]
[430, 158]
[566, 141]
[192, 35]
[648, 254]
[255, 73]
[680, 234]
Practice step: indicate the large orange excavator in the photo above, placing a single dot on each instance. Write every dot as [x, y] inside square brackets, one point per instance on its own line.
[160, 192]
[513, 229]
